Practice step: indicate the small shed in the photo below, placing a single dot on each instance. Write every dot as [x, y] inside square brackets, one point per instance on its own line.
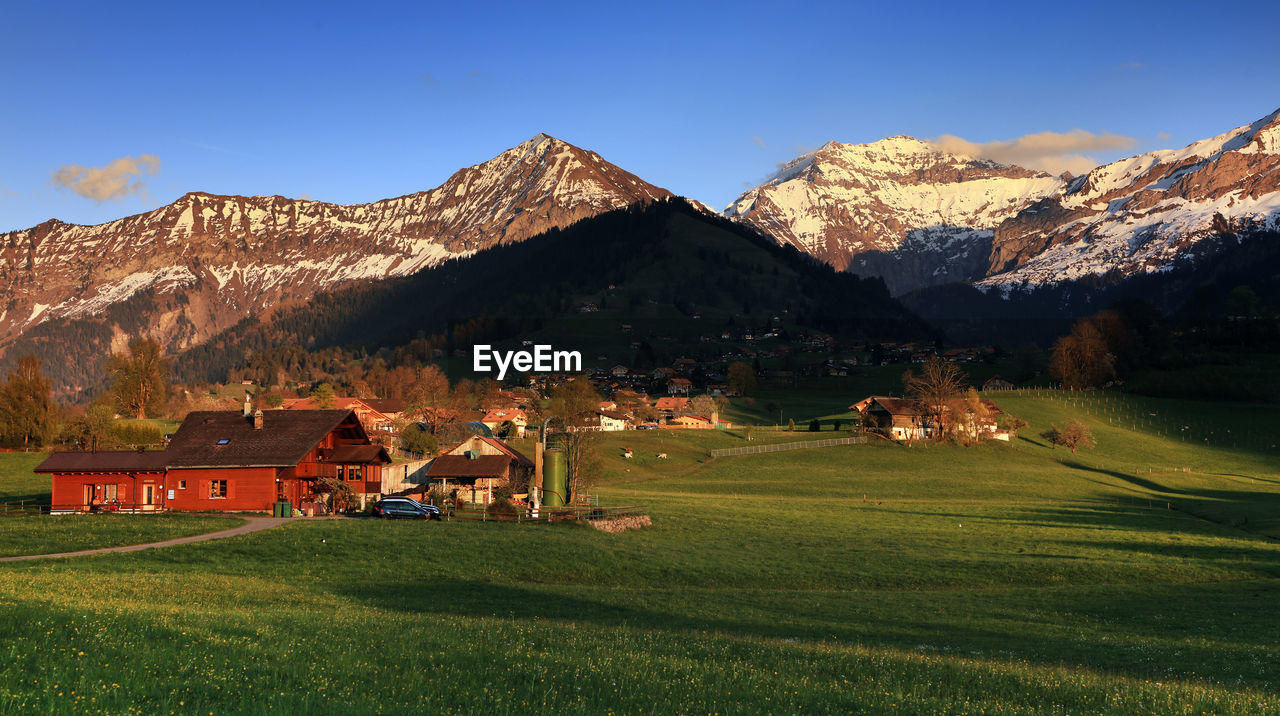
[995, 382]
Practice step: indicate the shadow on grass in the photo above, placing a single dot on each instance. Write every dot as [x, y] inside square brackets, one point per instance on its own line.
[1265, 560]
[34, 498]
[1253, 511]
[1037, 625]
[1134, 480]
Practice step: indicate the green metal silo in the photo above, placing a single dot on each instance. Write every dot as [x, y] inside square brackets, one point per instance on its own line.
[555, 478]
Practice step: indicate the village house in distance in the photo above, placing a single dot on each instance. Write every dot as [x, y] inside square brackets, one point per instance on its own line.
[225, 461]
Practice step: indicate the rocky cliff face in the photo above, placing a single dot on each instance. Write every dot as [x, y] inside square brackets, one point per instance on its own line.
[207, 261]
[898, 208]
[1145, 213]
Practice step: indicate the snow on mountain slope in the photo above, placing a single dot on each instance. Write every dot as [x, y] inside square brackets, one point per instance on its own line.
[1144, 213]
[896, 199]
[233, 256]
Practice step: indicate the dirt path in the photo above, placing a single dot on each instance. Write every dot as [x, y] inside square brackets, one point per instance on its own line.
[251, 524]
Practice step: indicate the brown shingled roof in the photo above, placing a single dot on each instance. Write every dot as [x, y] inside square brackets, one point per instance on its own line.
[463, 467]
[104, 461]
[899, 406]
[519, 456]
[358, 453]
[386, 406]
[285, 438]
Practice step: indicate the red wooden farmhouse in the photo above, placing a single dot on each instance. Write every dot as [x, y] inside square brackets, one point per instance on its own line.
[225, 461]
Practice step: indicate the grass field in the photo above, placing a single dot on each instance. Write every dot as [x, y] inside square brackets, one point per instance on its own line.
[1134, 578]
[17, 481]
[42, 534]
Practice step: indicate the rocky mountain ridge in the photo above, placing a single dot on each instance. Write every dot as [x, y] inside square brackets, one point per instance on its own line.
[916, 216]
[1146, 213]
[223, 258]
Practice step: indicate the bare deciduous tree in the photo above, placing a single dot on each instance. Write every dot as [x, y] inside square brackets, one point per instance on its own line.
[575, 404]
[1082, 359]
[742, 379]
[1075, 435]
[937, 384]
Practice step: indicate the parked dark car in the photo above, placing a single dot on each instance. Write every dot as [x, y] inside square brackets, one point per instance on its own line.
[406, 507]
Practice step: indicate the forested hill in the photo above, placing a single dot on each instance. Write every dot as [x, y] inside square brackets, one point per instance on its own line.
[1199, 292]
[664, 265]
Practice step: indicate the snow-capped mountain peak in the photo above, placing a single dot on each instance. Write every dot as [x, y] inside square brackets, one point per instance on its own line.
[1145, 213]
[842, 201]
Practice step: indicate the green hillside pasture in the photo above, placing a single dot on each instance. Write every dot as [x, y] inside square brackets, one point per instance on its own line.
[875, 579]
[1215, 460]
[801, 405]
[1253, 427]
[46, 534]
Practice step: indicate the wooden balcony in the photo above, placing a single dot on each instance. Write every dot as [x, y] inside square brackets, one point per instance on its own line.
[317, 470]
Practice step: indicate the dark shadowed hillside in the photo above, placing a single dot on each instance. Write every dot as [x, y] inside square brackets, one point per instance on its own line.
[1193, 291]
[666, 266]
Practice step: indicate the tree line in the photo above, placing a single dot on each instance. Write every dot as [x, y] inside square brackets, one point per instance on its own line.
[138, 388]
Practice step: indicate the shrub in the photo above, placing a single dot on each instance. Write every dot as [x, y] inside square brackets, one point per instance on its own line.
[126, 433]
[341, 497]
[503, 508]
[436, 496]
[815, 426]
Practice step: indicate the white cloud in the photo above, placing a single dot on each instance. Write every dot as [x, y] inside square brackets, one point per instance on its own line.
[1053, 152]
[116, 180]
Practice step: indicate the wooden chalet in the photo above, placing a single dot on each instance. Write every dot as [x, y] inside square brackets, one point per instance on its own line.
[494, 419]
[670, 406]
[897, 418]
[691, 421]
[479, 466]
[613, 421]
[374, 414]
[125, 480]
[225, 461]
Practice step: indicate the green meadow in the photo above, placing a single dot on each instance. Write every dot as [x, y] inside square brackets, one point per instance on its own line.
[17, 481]
[42, 534]
[1137, 577]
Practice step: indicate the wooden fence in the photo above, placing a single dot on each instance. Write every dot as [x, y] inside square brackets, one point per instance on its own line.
[546, 514]
[31, 507]
[779, 447]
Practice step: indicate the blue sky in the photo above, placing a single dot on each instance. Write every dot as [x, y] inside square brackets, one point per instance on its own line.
[353, 103]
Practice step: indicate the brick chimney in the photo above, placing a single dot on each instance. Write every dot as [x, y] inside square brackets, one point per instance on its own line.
[257, 419]
[248, 409]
